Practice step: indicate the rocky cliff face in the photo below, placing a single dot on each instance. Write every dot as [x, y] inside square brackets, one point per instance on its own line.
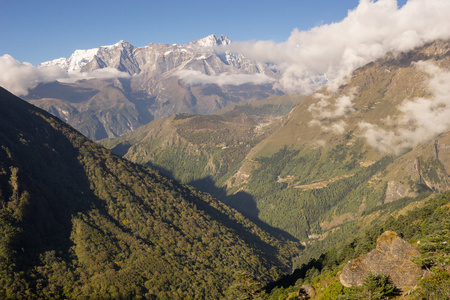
[392, 257]
[158, 80]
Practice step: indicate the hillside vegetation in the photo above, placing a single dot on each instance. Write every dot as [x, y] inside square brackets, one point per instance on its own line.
[77, 221]
[203, 150]
[426, 227]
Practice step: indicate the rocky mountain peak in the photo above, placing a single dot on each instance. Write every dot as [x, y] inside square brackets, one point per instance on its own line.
[211, 41]
[119, 45]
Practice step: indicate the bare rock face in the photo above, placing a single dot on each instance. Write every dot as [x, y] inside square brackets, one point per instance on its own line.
[396, 191]
[392, 257]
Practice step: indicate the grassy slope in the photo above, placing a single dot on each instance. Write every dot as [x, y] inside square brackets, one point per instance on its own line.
[206, 148]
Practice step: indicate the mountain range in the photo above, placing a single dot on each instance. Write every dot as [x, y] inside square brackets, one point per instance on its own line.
[112, 90]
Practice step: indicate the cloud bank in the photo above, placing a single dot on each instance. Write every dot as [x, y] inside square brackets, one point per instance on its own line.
[19, 77]
[324, 109]
[329, 53]
[104, 73]
[192, 77]
[421, 119]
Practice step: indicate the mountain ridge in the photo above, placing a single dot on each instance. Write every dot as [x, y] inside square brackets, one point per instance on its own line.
[80, 59]
[154, 81]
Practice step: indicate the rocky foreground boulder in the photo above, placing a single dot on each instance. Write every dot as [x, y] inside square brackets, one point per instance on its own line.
[391, 257]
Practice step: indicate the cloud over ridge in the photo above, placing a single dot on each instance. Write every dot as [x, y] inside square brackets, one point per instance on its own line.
[192, 77]
[329, 53]
[19, 77]
[421, 119]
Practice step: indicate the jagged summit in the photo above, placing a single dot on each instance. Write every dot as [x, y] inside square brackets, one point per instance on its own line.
[80, 58]
[211, 41]
[75, 62]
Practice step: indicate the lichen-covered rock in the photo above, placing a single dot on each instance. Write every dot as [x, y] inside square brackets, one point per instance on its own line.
[391, 257]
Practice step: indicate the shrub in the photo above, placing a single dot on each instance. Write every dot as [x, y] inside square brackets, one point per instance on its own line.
[375, 287]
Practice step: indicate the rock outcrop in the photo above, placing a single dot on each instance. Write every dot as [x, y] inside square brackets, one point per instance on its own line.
[391, 257]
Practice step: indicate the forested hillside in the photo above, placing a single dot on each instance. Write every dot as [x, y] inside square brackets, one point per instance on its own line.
[426, 227]
[78, 221]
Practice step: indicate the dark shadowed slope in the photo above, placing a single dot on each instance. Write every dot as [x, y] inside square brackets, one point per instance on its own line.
[77, 220]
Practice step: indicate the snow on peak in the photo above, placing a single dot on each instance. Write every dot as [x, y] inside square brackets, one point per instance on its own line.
[211, 41]
[120, 43]
[223, 40]
[80, 58]
[75, 62]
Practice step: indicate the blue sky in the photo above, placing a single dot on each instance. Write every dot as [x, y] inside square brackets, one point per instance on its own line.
[36, 31]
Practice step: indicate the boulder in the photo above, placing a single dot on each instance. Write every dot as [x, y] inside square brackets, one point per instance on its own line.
[391, 257]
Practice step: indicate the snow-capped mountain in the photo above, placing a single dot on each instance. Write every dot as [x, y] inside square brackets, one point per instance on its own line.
[80, 58]
[75, 62]
[127, 58]
[161, 80]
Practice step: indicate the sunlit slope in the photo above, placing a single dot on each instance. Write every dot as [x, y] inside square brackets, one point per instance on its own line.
[194, 147]
[343, 152]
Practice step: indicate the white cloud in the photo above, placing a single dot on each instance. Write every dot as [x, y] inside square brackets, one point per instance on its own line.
[104, 73]
[318, 143]
[192, 77]
[329, 53]
[337, 127]
[19, 77]
[325, 109]
[421, 119]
